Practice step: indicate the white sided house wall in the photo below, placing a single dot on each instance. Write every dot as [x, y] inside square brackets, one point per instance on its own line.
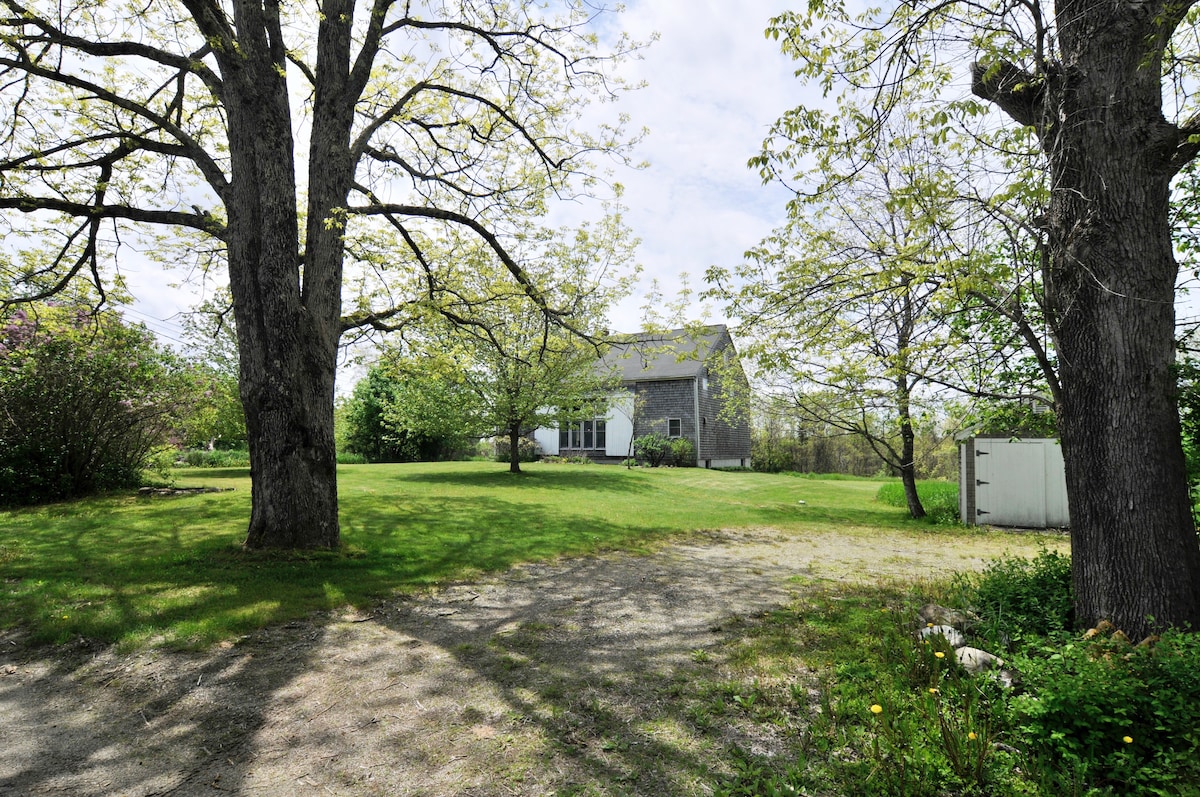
[1011, 482]
[618, 440]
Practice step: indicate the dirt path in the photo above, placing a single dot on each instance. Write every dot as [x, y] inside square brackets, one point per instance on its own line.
[536, 682]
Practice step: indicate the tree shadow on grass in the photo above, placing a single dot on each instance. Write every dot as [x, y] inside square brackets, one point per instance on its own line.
[535, 477]
[569, 676]
[173, 571]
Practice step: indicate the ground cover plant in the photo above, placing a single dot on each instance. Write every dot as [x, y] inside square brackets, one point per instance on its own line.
[881, 714]
[129, 569]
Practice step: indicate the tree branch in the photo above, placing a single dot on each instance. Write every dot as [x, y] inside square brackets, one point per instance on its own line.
[195, 153]
[190, 64]
[1011, 89]
[196, 221]
[514, 268]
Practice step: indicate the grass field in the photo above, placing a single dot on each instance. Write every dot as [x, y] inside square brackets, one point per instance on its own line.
[141, 570]
[558, 687]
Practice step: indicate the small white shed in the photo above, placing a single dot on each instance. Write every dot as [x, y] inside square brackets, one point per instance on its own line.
[1012, 482]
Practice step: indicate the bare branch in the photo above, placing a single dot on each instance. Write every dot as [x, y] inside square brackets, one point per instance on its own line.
[196, 221]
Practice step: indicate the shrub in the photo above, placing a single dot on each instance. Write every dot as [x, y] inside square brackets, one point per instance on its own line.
[683, 453]
[366, 429]
[216, 458]
[88, 400]
[1019, 597]
[527, 450]
[653, 448]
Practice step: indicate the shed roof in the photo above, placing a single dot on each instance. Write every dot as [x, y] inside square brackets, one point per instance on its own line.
[674, 354]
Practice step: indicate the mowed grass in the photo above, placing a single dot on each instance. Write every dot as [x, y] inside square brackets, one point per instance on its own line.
[136, 570]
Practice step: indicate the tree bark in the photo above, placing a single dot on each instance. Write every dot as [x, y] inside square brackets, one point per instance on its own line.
[908, 467]
[287, 336]
[514, 449]
[1110, 286]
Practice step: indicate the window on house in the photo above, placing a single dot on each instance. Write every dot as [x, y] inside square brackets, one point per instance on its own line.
[589, 434]
[674, 427]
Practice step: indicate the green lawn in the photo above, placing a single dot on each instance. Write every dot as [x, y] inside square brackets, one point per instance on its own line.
[170, 570]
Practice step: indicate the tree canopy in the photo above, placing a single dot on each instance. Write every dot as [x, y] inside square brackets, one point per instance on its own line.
[1084, 84]
[323, 154]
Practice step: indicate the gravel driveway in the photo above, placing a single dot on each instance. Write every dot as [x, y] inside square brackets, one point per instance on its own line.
[535, 681]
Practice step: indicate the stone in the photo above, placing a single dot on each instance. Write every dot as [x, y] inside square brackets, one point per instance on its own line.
[949, 632]
[976, 661]
[980, 662]
[1103, 628]
[941, 615]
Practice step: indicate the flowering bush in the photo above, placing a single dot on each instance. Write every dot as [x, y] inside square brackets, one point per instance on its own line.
[86, 400]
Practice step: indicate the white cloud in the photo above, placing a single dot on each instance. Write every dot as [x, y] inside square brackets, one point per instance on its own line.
[715, 84]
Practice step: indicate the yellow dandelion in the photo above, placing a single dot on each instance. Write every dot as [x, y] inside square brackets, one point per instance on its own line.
[972, 736]
[1127, 739]
[939, 654]
[929, 625]
[933, 690]
[64, 617]
[876, 709]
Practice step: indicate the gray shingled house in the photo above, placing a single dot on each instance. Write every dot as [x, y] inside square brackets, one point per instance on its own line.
[671, 383]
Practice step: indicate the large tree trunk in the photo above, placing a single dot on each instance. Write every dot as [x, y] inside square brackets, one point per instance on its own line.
[287, 326]
[1111, 288]
[514, 449]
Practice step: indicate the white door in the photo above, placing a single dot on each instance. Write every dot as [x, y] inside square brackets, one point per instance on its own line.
[1010, 483]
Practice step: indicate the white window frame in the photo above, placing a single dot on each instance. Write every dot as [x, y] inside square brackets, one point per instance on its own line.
[573, 435]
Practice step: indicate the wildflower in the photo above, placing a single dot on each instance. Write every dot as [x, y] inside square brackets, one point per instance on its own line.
[939, 654]
[933, 690]
[929, 625]
[876, 709]
[65, 617]
[1127, 739]
[972, 736]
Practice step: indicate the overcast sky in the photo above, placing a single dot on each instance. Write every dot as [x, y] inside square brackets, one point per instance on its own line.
[714, 85]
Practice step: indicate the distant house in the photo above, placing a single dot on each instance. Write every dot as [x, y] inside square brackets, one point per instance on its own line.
[671, 383]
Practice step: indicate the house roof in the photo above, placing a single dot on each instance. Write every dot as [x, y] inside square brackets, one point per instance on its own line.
[673, 354]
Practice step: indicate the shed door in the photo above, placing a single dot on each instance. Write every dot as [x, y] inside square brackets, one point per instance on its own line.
[1010, 483]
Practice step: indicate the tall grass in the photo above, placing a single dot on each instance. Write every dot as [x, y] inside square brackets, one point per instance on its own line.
[939, 498]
